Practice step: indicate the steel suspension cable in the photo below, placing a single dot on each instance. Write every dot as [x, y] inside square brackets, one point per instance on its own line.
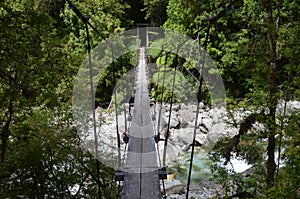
[116, 110]
[199, 99]
[155, 123]
[170, 114]
[190, 73]
[93, 109]
[85, 19]
[171, 104]
[156, 130]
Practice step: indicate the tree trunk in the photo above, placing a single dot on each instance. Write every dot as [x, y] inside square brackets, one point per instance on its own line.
[5, 131]
[272, 36]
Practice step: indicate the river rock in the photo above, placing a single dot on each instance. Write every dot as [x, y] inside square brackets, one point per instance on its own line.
[203, 129]
[201, 105]
[187, 116]
[192, 108]
[186, 148]
[201, 139]
[207, 123]
[184, 124]
[174, 122]
[217, 114]
[183, 106]
[173, 187]
[290, 107]
[185, 136]
[173, 151]
[176, 107]
[205, 189]
[162, 122]
[216, 132]
[230, 131]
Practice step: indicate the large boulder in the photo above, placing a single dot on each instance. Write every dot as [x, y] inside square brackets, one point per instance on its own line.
[185, 138]
[163, 121]
[173, 151]
[216, 132]
[174, 122]
[186, 116]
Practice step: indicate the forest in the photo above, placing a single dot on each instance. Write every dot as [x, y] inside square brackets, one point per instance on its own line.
[255, 45]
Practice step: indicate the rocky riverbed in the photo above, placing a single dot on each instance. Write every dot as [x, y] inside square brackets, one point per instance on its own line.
[174, 189]
[212, 124]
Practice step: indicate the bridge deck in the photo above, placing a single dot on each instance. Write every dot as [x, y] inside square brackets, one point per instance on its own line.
[141, 168]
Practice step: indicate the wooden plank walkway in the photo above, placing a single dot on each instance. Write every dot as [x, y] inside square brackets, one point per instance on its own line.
[141, 179]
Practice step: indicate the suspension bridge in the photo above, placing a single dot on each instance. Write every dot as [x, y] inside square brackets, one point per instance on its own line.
[143, 169]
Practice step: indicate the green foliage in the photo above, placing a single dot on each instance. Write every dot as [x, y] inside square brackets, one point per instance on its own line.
[45, 158]
[287, 182]
[30, 56]
[43, 43]
[105, 86]
[252, 149]
[105, 17]
[42, 46]
[246, 44]
[156, 11]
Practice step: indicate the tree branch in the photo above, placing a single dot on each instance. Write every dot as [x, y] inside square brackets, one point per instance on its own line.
[244, 127]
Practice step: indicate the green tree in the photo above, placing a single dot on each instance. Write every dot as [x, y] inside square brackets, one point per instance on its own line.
[250, 44]
[156, 11]
[31, 55]
[41, 155]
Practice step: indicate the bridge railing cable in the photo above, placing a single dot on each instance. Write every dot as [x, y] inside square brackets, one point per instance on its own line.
[171, 103]
[161, 98]
[157, 136]
[157, 139]
[155, 98]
